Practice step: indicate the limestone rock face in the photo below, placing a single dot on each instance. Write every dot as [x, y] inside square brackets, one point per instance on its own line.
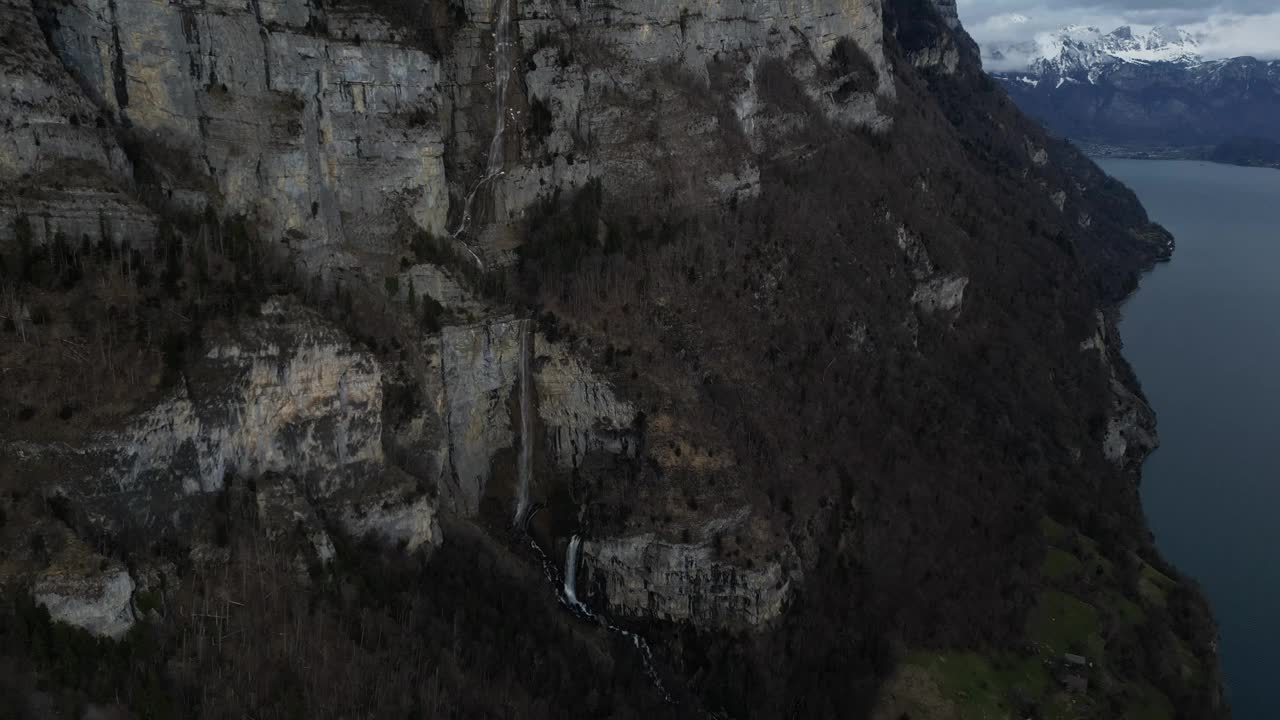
[284, 512]
[942, 293]
[579, 411]
[284, 393]
[329, 135]
[626, 86]
[1131, 433]
[647, 576]
[480, 366]
[62, 169]
[1131, 423]
[949, 12]
[343, 132]
[388, 514]
[84, 589]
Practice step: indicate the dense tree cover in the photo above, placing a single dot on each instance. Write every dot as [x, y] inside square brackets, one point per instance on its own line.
[911, 456]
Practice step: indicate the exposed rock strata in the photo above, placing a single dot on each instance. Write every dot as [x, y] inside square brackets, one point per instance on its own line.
[84, 589]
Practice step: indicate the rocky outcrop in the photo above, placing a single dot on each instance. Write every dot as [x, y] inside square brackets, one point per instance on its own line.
[284, 393]
[288, 393]
[1131, 434]
[329, 135]
[949, 12]
[84, 589]
[287, 517]
[391, 509]
[945, 293]
[580, 412]
[671, 50]
[1131, 423]
[934, 292]
[480, 366]
[647, 576]
[336, 127]
[62, 168]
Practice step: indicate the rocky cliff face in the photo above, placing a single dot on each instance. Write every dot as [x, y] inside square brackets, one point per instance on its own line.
[84, 589]
[781, 306]
[648, 577]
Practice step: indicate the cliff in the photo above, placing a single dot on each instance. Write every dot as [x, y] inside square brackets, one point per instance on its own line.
[362, 309]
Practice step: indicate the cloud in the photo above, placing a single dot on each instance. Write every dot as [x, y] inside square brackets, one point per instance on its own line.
[1233, 35]
[1228, 27]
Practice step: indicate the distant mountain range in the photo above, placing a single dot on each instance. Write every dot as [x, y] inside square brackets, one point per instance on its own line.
[1147, 94]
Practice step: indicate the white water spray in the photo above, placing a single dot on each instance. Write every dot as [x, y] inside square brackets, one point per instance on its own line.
[568, 596]
[571, 574]
[524, 463]
[502, 68]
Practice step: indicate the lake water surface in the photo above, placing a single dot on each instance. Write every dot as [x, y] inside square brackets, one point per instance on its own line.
[1203, 334]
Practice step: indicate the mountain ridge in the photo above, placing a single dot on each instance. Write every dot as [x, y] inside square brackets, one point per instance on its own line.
[1078, 49]
[1143, 95]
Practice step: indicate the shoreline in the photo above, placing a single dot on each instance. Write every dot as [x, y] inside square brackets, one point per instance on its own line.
[1190, 153]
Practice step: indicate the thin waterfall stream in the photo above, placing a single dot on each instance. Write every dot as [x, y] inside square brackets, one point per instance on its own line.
[566, 586]
[495, 166]
[569, 597]
[524, 462]
[567, 590]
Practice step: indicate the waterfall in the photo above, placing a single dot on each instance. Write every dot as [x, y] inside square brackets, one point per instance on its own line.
[571, 574]
[502, 68]
[524, 463]
[568, 596]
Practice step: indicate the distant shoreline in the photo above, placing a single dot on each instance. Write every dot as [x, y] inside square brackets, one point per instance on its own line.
[1201, 153]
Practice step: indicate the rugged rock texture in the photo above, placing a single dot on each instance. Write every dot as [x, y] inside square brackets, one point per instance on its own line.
[392, 511]
[778, 305]
[285, 394]
[328, 136]
[61, 164]
[480, 367]
[285, 514]
[645, 576]
[580, 411]
[87, 590]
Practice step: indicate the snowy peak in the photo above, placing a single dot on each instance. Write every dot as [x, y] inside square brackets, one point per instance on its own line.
[1080, 50]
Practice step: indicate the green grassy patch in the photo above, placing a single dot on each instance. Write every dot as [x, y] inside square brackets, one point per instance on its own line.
[1060, 706]
[1191, 668]
[1154, 586]
[1130, 613]
[1053, 530]
[1060, 565]
[985, 687]
[1153, 705]
[1062, 623]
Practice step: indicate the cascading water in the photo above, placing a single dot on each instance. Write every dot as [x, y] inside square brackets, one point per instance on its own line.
[524, 463]
[502, 68]
[569, 596]
[571, 574]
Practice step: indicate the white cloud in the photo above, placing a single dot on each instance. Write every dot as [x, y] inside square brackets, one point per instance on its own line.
[1227, 27]
[1233, 35]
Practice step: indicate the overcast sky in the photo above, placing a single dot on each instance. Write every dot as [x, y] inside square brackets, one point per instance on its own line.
[1229, 27]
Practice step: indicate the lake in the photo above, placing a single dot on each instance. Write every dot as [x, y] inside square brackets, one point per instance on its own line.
[1204, 337]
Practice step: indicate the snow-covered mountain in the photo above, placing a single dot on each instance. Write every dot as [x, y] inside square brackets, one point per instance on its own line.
[1149, 91]
[1078, 50]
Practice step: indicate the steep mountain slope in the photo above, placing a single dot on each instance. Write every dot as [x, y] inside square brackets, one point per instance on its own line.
[1149, 93]
[1077, 49]
[783, 310]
